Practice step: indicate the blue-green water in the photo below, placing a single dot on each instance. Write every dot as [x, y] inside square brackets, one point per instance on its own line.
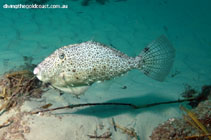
[127, 25]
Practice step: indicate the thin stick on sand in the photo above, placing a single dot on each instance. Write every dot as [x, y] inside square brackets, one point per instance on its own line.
[112, 104]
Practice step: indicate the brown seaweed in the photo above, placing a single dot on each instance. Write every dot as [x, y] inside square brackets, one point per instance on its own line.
[17, 86]
[193, 126]
[196, 121]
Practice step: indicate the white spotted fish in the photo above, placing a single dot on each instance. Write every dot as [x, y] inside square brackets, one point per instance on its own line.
[74, 68]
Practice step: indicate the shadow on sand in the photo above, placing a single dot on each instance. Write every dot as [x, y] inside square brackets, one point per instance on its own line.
[109, 111]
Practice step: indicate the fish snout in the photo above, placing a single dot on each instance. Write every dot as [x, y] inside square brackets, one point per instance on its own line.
[36, 71]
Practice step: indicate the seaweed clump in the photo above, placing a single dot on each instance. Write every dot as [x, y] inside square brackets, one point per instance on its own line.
[195, 124]
[18, 86]
[189, 92]
[186, 128]
[198, 97]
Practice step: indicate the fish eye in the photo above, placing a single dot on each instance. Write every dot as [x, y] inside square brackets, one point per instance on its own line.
[61, 56]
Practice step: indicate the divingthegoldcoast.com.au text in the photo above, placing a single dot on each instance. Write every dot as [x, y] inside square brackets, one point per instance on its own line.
[33, 6]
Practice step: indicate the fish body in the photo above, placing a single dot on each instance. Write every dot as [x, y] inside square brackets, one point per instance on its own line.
[74, 68]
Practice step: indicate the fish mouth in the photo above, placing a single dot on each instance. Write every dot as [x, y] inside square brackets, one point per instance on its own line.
[39, 77]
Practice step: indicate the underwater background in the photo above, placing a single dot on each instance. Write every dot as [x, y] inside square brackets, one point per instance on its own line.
[127, 25]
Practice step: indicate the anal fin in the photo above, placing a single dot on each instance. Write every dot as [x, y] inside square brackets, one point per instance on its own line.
[74, 90]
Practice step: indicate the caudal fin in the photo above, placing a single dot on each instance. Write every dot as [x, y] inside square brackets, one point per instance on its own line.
[157, 58]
